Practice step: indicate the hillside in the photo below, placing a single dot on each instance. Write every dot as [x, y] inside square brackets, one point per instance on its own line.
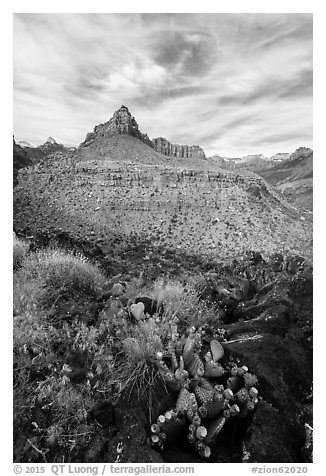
[20, 159]
[119, 194]
[294, 178]
[50, 146]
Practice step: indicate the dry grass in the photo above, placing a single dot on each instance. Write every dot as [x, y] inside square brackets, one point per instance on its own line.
[20, 250]
[48, 277]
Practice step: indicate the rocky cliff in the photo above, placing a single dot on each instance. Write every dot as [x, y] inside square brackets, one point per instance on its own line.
[122, 122]
[164, 147]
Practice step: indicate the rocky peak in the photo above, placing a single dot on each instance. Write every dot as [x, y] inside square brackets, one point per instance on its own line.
[122, 122]
[50, 141]
[301, 152]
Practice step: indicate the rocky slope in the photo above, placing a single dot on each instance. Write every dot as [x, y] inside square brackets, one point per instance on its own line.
[294, 178]
[117, 192]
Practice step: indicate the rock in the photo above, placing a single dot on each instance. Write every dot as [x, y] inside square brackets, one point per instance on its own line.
[277, 295]
[122, 122]
[97, 446]
[163, 146]
[76, 365]
[137, 310]
[284, 372]
[103, 413]
[151, 306]
[268, 439]
[117, 289]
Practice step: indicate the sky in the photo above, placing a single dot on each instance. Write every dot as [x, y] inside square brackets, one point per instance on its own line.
[235, 84]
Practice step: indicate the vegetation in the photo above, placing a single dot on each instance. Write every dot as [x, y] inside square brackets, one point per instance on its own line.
[20, 250]
[65, 364]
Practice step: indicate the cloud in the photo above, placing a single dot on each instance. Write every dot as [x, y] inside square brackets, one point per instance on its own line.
[233, 83]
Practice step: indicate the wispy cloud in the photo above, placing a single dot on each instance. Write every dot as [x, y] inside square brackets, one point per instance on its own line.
[233, 83]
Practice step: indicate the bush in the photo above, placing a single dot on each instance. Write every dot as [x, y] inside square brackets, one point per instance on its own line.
[182, 301]
[53, 277]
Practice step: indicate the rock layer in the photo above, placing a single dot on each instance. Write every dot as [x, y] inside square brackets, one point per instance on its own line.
[164, 147]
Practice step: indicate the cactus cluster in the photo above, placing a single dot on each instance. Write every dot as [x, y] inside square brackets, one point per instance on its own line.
[208, 396]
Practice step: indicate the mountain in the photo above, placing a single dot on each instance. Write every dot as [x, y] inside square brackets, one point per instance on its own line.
[280, 156]
[123, 123]
[23, 143]
[50, 146]
[120, 195]
[293, 178]
[254, 163]
[20, 160]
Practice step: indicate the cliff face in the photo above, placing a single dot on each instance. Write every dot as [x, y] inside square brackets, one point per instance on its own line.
[164, 147]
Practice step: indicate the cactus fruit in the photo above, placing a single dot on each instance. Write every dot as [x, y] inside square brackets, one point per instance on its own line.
[234, 410]
[228, 394]
[217, 350]
[242, 371]
[202, 449]
[161, 420]
[242, 395]
[168, 415]
[155, 438]
[253, 392]
[155, 428]
[201, 432]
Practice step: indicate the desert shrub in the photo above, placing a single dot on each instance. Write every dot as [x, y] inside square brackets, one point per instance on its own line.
[48, 278]
[181, 300]
[48, 403]
[20, 250]
[136, 371]
[60, 269]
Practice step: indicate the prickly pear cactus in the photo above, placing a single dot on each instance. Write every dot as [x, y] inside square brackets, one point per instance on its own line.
[209, 393]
